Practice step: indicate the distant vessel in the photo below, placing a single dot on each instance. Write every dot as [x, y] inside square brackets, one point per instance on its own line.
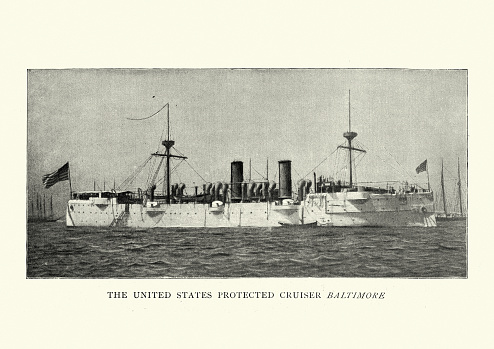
[451, 216]
[39, 215]
[336, 203]
[237, 203]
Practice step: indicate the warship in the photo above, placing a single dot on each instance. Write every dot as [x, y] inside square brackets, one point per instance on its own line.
[243, 202]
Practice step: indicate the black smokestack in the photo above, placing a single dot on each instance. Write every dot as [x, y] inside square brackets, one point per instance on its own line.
[237, 177]
[285, 179]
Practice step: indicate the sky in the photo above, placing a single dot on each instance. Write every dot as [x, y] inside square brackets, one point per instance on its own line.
[402, 117]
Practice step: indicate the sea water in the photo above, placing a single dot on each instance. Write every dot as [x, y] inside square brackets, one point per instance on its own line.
[55, 251]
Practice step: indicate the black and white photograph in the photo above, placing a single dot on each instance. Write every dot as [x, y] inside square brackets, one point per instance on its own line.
[246, 175]
[225, 173]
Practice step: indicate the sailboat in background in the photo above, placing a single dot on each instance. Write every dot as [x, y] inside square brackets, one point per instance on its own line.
[39, 214]
[446, 215]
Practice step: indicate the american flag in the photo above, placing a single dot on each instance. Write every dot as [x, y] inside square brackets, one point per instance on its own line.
[422, 167]
[62, 174]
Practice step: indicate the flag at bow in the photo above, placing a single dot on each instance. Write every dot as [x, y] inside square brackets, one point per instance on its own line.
[62, 174]
[422, 167]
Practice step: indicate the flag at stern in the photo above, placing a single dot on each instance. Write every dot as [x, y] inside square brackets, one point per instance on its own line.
[422, 167]
[62, 174]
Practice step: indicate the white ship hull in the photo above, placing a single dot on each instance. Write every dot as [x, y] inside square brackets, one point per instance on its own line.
[107, 213]
[326, 209]
[369, 209]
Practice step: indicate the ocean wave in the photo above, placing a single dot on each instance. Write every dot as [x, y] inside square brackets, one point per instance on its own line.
[220, 254]
[159, 262]
[54, 251]
[329, 258]
[298, 261]
[449, 247]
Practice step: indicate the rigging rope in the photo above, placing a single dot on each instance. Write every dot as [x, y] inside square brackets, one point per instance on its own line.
[274, 177]
[257, 172]
[129, 179]
[148, 117]
[156, 172]
[319, 164]
[401, 168]
[162, 179]
[178, 151]
[299, 176]
[193, 169]
[358, 159]
[148, 180]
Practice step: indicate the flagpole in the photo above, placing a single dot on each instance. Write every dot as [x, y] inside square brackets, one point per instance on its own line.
[70, 185]
[428, 182]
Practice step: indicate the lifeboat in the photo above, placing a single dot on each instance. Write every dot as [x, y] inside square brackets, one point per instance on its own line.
[217, 207]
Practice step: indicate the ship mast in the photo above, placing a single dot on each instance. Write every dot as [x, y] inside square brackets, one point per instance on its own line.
[350, 136]
[168, 143]
[459, 188]
[442, 189]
